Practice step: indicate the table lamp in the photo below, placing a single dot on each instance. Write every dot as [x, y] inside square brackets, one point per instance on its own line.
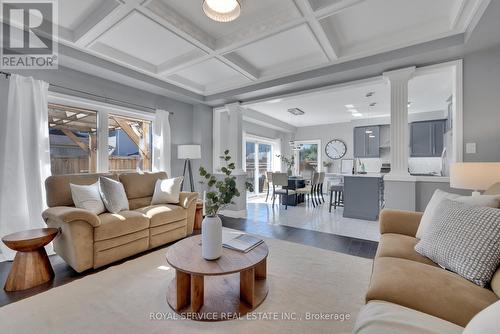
[476, 176]
[188, 153]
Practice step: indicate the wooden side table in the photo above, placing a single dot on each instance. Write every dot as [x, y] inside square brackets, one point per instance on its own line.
[31, 266]
[198, 218]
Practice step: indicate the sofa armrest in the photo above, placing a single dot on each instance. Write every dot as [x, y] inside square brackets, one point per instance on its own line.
[66, 214]
[186, 198]
[400, 222]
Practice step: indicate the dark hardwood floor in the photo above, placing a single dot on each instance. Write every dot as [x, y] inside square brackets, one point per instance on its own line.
[65, 274]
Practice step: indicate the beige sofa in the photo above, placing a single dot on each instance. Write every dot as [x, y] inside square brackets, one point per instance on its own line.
[409, 293]
[90, 241]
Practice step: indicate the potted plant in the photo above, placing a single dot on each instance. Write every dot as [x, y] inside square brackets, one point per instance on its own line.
[327, 165]
[221, 194]
[289, 162]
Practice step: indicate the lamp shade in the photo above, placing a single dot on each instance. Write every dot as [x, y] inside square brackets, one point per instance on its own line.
[474, 175]
[189, 152]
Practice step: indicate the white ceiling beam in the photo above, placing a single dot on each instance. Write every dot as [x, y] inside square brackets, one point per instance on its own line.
[336, 8]
[179, 63]
[317, 30]
[240, 65]
[99, 22]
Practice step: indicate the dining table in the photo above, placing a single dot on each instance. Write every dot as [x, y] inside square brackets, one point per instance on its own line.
[294, 182]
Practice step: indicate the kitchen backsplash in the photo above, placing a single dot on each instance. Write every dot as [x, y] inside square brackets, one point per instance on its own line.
[416, 165]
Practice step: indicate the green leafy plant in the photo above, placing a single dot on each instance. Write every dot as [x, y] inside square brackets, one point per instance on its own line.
[289, 162]
[222, 192]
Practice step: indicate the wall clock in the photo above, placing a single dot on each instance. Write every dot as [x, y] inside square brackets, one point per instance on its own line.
[336, 149]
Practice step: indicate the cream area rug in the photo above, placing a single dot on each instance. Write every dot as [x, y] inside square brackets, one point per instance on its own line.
[311, 290]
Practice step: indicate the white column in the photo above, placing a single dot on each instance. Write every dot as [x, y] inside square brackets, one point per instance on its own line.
[235, 134]
[400, 143]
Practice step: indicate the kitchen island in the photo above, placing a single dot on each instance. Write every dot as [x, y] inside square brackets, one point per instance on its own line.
[363, 195]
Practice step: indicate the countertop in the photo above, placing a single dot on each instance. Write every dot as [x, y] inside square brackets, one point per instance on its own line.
[440, 179]
[376, 175]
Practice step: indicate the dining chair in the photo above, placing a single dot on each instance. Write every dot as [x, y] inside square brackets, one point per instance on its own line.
[314, 185]
[281, 179]
[321, 180]
[269, 180]
[307, 190]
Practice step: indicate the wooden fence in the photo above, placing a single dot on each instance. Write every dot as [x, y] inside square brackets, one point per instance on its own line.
[76, 165]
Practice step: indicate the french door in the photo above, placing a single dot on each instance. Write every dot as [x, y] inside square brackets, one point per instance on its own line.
[258, 160]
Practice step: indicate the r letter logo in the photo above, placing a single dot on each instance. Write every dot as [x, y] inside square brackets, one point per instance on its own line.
[28, 34]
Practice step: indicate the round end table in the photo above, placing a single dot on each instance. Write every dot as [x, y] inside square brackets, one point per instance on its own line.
[223, 289]
[31, 266]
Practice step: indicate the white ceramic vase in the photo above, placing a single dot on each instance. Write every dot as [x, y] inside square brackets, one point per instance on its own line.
[211, 238]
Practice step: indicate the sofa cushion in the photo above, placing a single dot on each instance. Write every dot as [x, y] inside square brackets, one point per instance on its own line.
[379, 317]
[401, 246]
[113, 195]
[427, 289]
[163, 213]
[117, 224]
[58, 189]
[140, 185]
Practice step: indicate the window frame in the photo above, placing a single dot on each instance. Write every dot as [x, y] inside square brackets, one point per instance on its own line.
[103, 110]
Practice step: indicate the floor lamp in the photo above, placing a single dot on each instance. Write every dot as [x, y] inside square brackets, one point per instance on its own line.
[188, 153]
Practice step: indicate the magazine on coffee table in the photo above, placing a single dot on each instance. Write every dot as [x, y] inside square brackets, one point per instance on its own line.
[243, 243]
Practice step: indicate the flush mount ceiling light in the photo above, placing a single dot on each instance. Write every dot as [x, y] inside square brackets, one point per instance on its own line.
[222, 10]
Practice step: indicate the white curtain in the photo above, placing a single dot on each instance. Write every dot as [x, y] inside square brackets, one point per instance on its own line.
[162, 154]
[24, 157]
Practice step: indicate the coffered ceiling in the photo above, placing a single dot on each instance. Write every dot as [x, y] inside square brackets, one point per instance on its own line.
[174, 41]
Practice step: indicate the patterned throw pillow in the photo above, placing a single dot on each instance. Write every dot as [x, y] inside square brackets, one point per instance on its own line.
[464, 239]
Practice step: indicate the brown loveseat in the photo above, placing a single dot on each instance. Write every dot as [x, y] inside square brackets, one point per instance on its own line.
[91, 241]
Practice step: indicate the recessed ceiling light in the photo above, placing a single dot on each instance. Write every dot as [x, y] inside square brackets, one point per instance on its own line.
[357, 114]
[222, 10]
[275, 101]
[349, 106]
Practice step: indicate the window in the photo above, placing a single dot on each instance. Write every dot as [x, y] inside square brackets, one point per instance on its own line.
[307, 158]
[129, 144]
[73, 139]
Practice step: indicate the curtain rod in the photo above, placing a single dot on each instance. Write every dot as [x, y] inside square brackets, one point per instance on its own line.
[125, 103]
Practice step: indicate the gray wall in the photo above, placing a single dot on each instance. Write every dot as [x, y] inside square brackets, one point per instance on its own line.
[482, 104]
[186, 116]
[202, 134]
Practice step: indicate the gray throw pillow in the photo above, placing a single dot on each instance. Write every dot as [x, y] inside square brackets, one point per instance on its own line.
[113, 195]
[464, 239]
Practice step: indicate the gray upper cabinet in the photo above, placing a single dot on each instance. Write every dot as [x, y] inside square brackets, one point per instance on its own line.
[427, 138]
[367, 142]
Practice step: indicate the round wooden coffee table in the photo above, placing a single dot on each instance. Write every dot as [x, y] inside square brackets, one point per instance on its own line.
[223, 289]
[31, 266]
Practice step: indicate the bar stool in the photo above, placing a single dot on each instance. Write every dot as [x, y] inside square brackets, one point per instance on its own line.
[336, 196]
[281, 179]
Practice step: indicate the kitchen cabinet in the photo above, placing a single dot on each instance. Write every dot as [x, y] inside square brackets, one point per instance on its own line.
[427, 138]
[367, 142]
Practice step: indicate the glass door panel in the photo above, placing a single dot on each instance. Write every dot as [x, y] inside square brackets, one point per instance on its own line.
[250, 164]
[265, 164]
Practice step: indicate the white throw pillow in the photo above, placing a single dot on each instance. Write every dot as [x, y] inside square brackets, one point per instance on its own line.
[491, 201]
[485, 322]
[87, 197]
[167, 191]
[113, 195]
